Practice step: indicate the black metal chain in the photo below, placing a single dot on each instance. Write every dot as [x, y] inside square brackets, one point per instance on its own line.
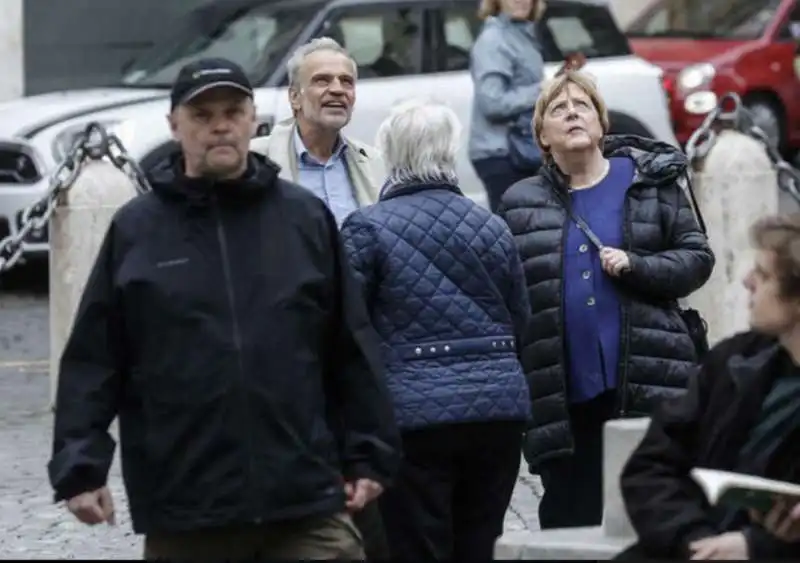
[740, 119]
[94, 143]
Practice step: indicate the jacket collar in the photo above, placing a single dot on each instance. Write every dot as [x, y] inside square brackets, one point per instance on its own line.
[301, 150]
[391, 191]
[169, 181]
[365, 169]
[656, 163]
[748, 372]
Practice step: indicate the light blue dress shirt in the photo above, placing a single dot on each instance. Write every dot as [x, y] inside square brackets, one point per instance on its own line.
[330, 181]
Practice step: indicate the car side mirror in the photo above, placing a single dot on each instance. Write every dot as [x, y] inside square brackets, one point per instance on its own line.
[263, 129]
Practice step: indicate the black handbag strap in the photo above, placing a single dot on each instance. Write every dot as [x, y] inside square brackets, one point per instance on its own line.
[595, 240]
[689, 191]
[578, 220]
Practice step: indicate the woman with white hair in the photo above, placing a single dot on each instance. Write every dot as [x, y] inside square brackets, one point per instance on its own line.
[610, 242]
[446, 293]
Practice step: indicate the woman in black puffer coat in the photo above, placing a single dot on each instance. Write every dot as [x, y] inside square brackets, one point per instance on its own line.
[607, 339]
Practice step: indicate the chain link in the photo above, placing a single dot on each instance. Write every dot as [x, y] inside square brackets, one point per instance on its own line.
[739, 118]
[94, 143]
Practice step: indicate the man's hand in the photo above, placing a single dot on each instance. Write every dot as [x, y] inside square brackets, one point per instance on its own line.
[782, 521]
[614, 261]
[728, 546]
[361, 493]
[93, 507]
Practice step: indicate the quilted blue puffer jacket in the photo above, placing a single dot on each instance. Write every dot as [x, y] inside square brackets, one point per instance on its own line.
[446, 291]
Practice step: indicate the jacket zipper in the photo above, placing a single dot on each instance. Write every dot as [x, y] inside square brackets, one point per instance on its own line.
[622, 384]
[222, 239]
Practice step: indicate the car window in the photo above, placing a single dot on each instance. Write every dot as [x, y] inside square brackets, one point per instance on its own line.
[256, 38]
[566, 28]
[710, 19]
[384, 42]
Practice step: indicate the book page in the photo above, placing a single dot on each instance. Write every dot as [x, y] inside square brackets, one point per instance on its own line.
[743, 491]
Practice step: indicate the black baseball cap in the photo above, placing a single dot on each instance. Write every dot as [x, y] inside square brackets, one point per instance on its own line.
[205, 74]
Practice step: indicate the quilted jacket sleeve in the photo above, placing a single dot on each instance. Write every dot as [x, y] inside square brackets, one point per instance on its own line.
[680, 270]
[359, 238]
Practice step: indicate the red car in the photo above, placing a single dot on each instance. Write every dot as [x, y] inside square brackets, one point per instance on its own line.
[711, 47]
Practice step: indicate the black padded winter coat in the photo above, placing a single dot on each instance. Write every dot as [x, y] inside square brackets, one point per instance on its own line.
[669, 257]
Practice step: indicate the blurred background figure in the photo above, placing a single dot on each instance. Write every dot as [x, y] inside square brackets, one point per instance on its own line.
[444, 285]
[610, 243]
[507, 69]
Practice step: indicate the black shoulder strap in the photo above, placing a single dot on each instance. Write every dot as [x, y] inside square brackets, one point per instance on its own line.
[689, 191]
[595, 240]
[579, 222]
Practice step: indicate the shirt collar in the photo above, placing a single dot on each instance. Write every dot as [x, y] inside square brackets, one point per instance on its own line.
[301, 149]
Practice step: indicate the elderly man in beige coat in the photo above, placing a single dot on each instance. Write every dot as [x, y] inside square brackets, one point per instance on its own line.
[346, 174]
[309, 147]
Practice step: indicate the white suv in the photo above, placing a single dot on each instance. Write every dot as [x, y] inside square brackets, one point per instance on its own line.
[403, 48]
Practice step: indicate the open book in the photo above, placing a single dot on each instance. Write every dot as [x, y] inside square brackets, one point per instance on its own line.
[742, 491]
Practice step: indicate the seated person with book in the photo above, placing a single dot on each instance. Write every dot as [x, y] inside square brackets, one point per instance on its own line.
[741, 414]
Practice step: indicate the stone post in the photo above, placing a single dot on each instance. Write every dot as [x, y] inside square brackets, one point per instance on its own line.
[620, 438]
[735, 186]
[603, 542]
[76, 231]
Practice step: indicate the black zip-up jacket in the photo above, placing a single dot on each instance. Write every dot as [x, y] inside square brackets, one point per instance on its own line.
[707, 427]
[222, 324]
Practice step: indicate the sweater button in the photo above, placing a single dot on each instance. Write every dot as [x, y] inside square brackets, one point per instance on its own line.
[433, 349]
[418, 351]
[447, 348]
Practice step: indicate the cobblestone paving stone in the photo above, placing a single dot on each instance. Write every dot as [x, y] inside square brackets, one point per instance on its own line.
[31, 525]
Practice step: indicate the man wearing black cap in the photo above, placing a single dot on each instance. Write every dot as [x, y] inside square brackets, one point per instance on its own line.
[222, 326]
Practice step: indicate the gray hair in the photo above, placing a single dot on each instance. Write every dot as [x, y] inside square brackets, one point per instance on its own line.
[313, 46]
[419, 141]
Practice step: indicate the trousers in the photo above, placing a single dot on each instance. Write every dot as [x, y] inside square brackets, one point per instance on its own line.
[332, 537]
[454, 486]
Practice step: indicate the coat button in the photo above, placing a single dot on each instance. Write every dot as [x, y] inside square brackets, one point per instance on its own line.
[583, 248]
[590, 302]
[587, 274]
[447, 348]
[494, 344]
[418, 351]
[433, 349]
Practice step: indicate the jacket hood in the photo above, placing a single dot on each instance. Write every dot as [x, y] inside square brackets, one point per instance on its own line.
[169, 181]
[656, 162]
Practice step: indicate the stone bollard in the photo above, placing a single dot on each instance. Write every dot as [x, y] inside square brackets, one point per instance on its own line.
[76, 232]
[620, 438]
[736, 186]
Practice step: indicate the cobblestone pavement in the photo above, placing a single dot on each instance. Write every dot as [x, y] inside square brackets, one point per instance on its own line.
[31, 525]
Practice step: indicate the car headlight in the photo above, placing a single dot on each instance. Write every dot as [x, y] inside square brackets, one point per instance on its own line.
[696, 76]
[65, 141]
